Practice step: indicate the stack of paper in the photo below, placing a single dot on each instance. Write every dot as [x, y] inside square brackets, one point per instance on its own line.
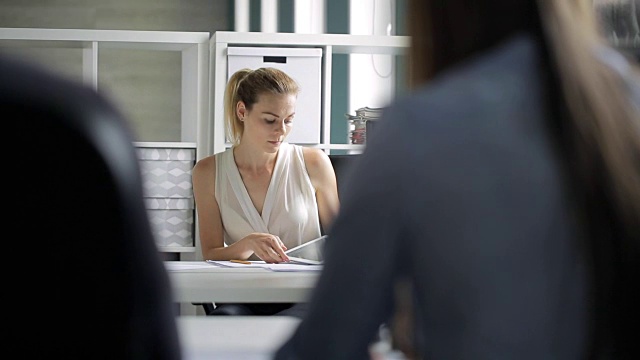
[261, 264]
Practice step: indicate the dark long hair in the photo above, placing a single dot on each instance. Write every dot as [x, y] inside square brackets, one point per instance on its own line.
[595, 124]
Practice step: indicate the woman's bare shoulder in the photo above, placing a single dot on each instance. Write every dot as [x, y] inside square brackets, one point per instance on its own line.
[314, 157]
[205, 165]
[318, 164]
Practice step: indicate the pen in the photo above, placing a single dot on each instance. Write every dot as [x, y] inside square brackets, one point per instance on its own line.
[241, 262]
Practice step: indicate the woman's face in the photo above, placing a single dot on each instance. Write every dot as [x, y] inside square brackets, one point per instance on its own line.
[269, 122]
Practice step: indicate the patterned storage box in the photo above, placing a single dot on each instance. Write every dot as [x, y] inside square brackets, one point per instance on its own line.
[168, 191]
[171, 220]
[166, 172]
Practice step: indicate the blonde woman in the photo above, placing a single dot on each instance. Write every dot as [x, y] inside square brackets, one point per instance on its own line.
[263, 195]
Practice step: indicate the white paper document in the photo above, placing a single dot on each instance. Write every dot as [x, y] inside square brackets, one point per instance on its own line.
[186, 265]
[286, 266]
[294, 267]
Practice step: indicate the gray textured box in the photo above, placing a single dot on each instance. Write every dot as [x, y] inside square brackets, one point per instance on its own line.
[166, 178]
[171, 220]
[166, 172]
[167, 190]
[166, 153]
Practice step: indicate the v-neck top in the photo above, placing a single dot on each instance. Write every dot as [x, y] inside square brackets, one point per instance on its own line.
[290, 209]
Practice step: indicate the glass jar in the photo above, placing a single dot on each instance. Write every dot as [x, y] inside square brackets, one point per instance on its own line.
[357, 129]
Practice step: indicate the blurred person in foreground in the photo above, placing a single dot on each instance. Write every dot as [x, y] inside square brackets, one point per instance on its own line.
[505, 188]
[103, 291]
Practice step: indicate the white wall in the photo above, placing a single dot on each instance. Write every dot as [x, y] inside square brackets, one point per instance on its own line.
[371, 77]
[309, 16]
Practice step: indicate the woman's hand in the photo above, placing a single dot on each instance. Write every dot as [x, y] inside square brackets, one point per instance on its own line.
[267, 247]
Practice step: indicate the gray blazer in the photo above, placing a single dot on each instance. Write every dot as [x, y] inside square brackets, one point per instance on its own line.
[460, 189]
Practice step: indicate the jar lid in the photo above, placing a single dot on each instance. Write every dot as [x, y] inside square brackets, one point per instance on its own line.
[352, 117]
[368, 112]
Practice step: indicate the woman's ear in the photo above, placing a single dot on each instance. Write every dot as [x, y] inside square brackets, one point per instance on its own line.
[241, 110]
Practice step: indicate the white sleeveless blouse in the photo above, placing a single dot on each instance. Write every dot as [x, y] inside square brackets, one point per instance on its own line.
[290, 208]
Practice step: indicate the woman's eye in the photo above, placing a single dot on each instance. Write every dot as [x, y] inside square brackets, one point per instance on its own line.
[272, 121]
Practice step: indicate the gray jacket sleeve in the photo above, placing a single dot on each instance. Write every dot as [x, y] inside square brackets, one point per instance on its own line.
[354, 293]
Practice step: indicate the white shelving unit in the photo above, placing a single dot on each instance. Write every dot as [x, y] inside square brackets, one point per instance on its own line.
[215, 142]
[192, 45]
[194, 49]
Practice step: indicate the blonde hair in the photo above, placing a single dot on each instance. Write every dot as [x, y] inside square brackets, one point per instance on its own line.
[604, 125]
[247, 85]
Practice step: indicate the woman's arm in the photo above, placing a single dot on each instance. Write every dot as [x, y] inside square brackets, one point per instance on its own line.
[266, 246]
[209, 220]
[323, 179]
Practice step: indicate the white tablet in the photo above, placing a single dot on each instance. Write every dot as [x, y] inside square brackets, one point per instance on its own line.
[310, 252]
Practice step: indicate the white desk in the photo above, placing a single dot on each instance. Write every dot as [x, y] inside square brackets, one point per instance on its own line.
[249, 338]
[214, 284]
[236, 337]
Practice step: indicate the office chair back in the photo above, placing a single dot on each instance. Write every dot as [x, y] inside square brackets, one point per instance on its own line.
[342, 165]
[97, 287]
